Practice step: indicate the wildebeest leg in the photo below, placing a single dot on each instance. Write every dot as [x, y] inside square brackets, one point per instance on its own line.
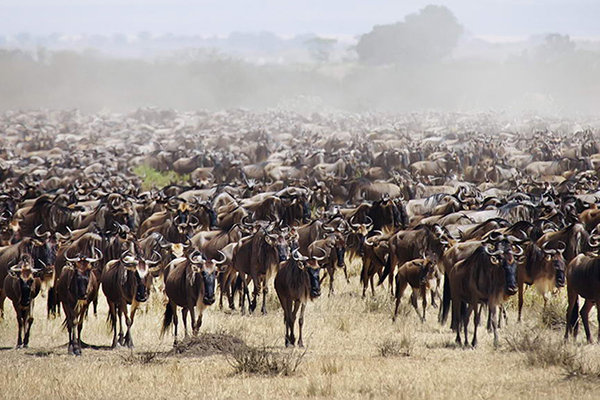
[129, 321]
[184, 313]
[286, 304]
[413, 302]
[598, 312]
[193, 319]
[465, 321]
[28, 319]
[265, 292]
[19, 314]
[346, 273]
[476, 320]
[456, 318]
[2, 298]
[502, 316]
[175, 321]
[79, 329]
[112, 315]
[51, 302]
[520, 294]
[372, 285]
[255, 293]
[331, 272]
[293, 322]
[424, 302]
[584, 313]
[572, 310]
[300, 323]
[494, 327]
[400, 287]
[119, 311]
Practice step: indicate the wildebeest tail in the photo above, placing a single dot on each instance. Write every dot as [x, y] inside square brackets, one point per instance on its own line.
[572, 319]
[446, 297]
[167, 319]
[386, 270]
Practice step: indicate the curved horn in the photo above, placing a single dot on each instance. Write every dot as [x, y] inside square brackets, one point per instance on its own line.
[152, 262]
[69, 258]
[320, 258]
[98, 257]
[352, 224]
[488, 249]
[219, 262]
[194, 224]
[44, 235]
[196, 258]
[519, 251]
[296, 255]
[370, 223]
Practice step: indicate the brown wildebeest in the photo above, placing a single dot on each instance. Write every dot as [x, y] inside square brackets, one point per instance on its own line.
[258, 257]
[544, 268]
[374, 258]
[487, 276]
[76, 288]
[583, 279]
[21, 286]
[295, 283]
[334, 246]
[407, 245]
[189, 284]
[418, 274]
[126, 281]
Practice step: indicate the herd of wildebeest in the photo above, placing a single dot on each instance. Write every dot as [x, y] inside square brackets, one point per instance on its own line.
[467, 210]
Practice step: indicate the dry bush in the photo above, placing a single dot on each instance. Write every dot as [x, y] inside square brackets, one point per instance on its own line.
[380, 303]
[390, 347]
[582, 368]
[542, 350]
[262, 361]
[553, 316]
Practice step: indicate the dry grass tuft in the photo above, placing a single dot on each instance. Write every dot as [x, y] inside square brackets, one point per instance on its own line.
[541, 349]
[331, 367]
[391, 347]
[553, 315]
[262, 361]
[142, 358]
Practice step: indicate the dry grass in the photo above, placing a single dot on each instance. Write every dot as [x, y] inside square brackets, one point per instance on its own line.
[344, 335]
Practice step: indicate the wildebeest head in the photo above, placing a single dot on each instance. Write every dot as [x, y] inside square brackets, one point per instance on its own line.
[26, 273]
[207, 268]
[556, 259]
[143, 270]
[503, 253]
[83, 268]
[312, 268]
[278, 242]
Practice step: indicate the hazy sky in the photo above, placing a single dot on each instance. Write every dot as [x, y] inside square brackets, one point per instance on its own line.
[347, 17]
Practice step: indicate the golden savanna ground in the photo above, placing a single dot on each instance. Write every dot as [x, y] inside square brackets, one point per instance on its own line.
[345, 335]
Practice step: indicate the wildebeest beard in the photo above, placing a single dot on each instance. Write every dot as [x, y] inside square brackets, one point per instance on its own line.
[25, 291]
[340, 252]
[141, 293]
[81, 283]
[209, 287]
[315, 284]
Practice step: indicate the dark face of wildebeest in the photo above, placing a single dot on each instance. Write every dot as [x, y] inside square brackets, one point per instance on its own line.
[504, 255]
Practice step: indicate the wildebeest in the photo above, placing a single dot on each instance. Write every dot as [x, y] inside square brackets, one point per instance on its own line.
[190, 284]
[77, 286]
[418, 274]
[126, 281]
[21, 286]
[583, 279]
[487, 276]
[542, 267]
[295, 283]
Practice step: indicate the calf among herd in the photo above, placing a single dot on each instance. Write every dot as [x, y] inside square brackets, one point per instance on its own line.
[466, 209]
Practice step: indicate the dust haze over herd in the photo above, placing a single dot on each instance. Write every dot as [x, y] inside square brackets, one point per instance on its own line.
[358, 56]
